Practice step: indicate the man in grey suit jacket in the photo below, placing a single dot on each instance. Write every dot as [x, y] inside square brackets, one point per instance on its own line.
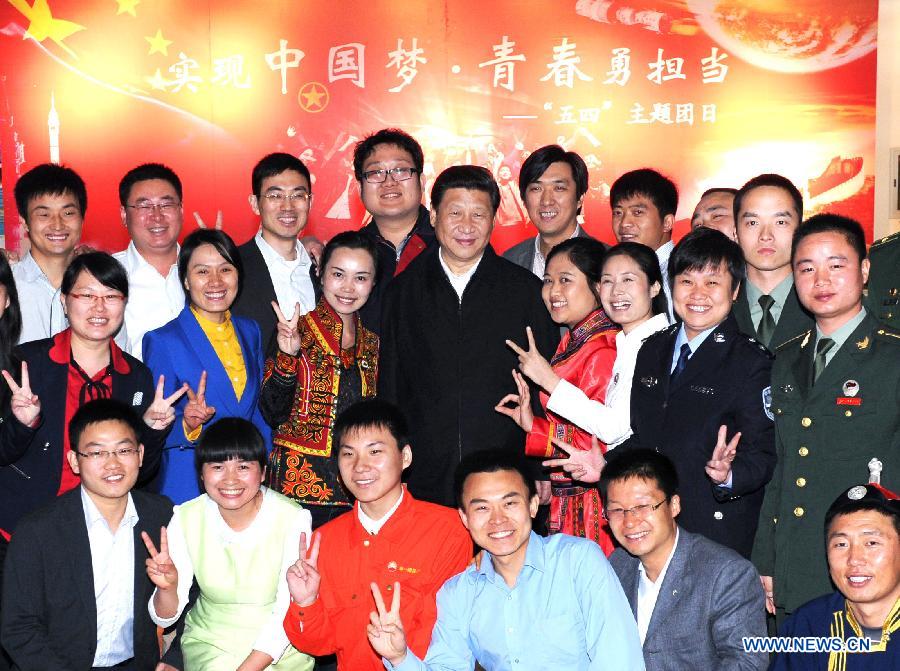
[552, 183]
[694, 600]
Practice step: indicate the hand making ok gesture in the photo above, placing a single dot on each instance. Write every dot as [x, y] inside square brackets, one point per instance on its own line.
[385, 630]
[288, 335]
[303, 575]
[160, 413]
[521, 414]
[196, 412]
[25, 405]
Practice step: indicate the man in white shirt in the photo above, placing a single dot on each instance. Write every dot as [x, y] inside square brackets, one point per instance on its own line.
[75, 591]
[276, 265]
[150, 198]
[643, 204]
[51, 200]
[693, 599]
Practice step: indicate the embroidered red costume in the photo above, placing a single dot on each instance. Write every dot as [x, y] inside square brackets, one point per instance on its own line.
[585, 357]
[300, 398]
[420, 546]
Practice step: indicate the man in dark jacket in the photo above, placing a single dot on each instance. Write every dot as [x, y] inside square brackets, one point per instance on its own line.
[444, 359]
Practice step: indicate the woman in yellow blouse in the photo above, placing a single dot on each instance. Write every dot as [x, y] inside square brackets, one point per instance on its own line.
[218, 355]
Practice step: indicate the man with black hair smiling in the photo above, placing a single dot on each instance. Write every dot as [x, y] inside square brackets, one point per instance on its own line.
[701, 395]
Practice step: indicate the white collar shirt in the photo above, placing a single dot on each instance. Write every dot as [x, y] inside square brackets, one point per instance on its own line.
[648, 593]
[539, 262]
[374, 526]
[662, 254]
[112, 560]
[153, 299]
[459, 282]
[290, 279]
[39, 302]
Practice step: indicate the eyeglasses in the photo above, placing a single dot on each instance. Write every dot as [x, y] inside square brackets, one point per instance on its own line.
[166, 208]
[103, 455]
[399, 175]
[295, 198]
[640, 512]
[109, 300]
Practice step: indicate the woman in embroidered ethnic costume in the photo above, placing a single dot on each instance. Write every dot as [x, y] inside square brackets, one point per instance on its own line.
[236, 542]
[327, 360]
[584, 358]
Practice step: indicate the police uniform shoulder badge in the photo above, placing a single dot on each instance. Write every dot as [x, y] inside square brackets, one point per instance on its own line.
[767, 403]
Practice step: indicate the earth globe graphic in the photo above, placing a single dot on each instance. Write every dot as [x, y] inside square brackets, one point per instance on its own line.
[794, 36]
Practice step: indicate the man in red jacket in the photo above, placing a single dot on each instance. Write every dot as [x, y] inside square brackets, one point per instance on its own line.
[388, 537]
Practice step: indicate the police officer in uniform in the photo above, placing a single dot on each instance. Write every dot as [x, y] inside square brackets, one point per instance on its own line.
[884, 280]
[835, 396]
[699, 383]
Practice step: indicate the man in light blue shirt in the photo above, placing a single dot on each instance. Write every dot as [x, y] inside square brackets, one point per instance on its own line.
[528, 602]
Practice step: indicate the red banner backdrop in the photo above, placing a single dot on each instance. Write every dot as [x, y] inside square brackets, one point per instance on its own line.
[710, 92]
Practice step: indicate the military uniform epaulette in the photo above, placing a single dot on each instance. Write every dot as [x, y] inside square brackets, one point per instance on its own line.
[893, 237]
[805, 335]
[888, 333]
[669, 330]
[757, 345]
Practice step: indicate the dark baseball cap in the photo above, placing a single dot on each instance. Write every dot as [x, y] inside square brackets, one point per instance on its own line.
[864, 497]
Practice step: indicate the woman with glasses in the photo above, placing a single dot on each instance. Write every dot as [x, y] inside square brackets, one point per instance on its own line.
[58, 375]
[326, 361]
[235, 542]
[215, 357]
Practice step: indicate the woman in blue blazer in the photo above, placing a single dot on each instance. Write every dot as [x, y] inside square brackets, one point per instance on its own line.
[217, 355]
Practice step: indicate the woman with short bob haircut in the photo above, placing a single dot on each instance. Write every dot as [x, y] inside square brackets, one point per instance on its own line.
[235, 541]
[216, 357]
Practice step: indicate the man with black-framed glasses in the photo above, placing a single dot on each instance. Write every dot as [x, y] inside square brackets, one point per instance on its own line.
[693, 599]
[75, 590]
[150, 198]
[277, 267]
[388, 166]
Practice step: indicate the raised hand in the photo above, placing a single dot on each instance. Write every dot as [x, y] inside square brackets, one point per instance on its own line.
[160, 413]
[521, 414]
[535, 366]
[196, 412]
[160, 569]
[718, 468]
[202, 224]
[288, 335]
[385, 630]
[582, 465]
[25, 405]
[303, 575]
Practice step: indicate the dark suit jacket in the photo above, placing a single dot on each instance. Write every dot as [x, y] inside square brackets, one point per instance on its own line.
[726, 381]
[258, 292]
[49, 609]
[31, 460]
[181, 352]
[710, 598]
[793, 321]
[522, 254]
[446, 362]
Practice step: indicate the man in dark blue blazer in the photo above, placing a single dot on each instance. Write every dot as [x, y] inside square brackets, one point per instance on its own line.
[701, 396]
[75, 589]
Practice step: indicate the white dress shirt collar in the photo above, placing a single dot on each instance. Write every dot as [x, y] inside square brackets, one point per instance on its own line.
[374, 526]
[648, 592]
[290, 278]
[112, 562]
[459, 282]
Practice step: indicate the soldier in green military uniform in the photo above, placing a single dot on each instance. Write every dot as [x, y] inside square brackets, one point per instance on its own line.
[836, 402]
[884, 280]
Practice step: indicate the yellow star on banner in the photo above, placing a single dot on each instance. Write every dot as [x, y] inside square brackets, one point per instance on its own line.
[42, 24]
[158, 44]
[127, 7]
[157, 81]
[313, 97]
